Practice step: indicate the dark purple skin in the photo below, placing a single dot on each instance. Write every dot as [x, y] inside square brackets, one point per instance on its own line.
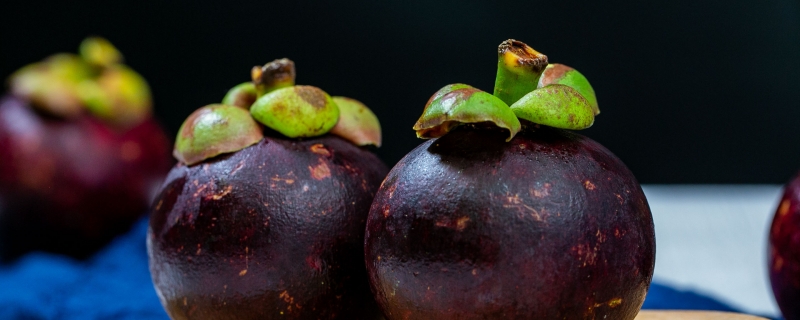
[784, 252]
[273, 231]
[550, 225]
[69, 186]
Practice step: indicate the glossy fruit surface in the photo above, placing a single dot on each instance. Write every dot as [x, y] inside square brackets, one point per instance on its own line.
[784, 251]
[70, 186]
[550, 225]
[272, 231]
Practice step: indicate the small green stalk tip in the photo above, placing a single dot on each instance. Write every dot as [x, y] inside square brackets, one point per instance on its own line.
[242, 95]
[99, 52]
[272, 76]
[555, 105]
[456, 104]
[357, 123]
[518, 70]
[213, 130]
[297, 111]
[560, 74]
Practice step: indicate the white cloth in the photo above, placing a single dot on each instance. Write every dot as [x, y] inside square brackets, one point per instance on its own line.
[713, 239]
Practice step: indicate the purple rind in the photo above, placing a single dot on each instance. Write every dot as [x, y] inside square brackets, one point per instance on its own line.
[550, 225]
[272, 231]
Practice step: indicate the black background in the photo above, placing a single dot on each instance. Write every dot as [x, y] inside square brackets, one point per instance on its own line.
[690, 91]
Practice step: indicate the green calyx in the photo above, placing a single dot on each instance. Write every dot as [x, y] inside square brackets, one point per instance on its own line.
[555, 105]
[243, 95]
[560, 74]
[99, 52]
[68, 85]
[456, 104]
[119, 96]
[526, 87]
[357, 123]
[213, 130]
[299, 111]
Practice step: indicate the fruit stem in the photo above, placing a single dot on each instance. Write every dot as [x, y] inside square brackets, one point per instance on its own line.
[518, 70]
[274, 75]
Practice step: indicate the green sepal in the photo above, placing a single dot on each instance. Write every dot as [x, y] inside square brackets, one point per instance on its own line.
[555, 105]
[213, 130]
[561, 74]
[357, 123]
[99, 52]
[456, 104]
[447, 89]
[297, 111]
[119, 96]
[68, 85]
[52, 85]
[243, 95]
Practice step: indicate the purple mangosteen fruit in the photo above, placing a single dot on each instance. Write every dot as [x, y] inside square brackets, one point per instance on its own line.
[784, 251]
[83, 155]
[506, 214]
[264, 215]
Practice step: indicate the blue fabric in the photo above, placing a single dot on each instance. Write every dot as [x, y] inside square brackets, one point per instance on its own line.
[115, 284]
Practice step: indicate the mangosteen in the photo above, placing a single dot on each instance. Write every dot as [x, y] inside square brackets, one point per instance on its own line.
[264, 215]
[82, 154]
[784, 251]
[507, 214]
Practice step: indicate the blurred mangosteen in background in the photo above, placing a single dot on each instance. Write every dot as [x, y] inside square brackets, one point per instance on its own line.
[82, 154]
[264, 215]
[507, 214]
[784, 251]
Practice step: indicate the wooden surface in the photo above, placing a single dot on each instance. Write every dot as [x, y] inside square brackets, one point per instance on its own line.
[693, 315]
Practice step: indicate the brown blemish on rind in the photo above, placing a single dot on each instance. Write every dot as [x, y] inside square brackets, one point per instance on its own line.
[543, 192]
[586, 253]
[320, 171]
[524, 54]
[286, 180]
[778, 264]
[320, 149]
[588, 185]
[525, 210]
[619, 233]
[312, 95]
[225, 192]
[459, 224]
[784, 208]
